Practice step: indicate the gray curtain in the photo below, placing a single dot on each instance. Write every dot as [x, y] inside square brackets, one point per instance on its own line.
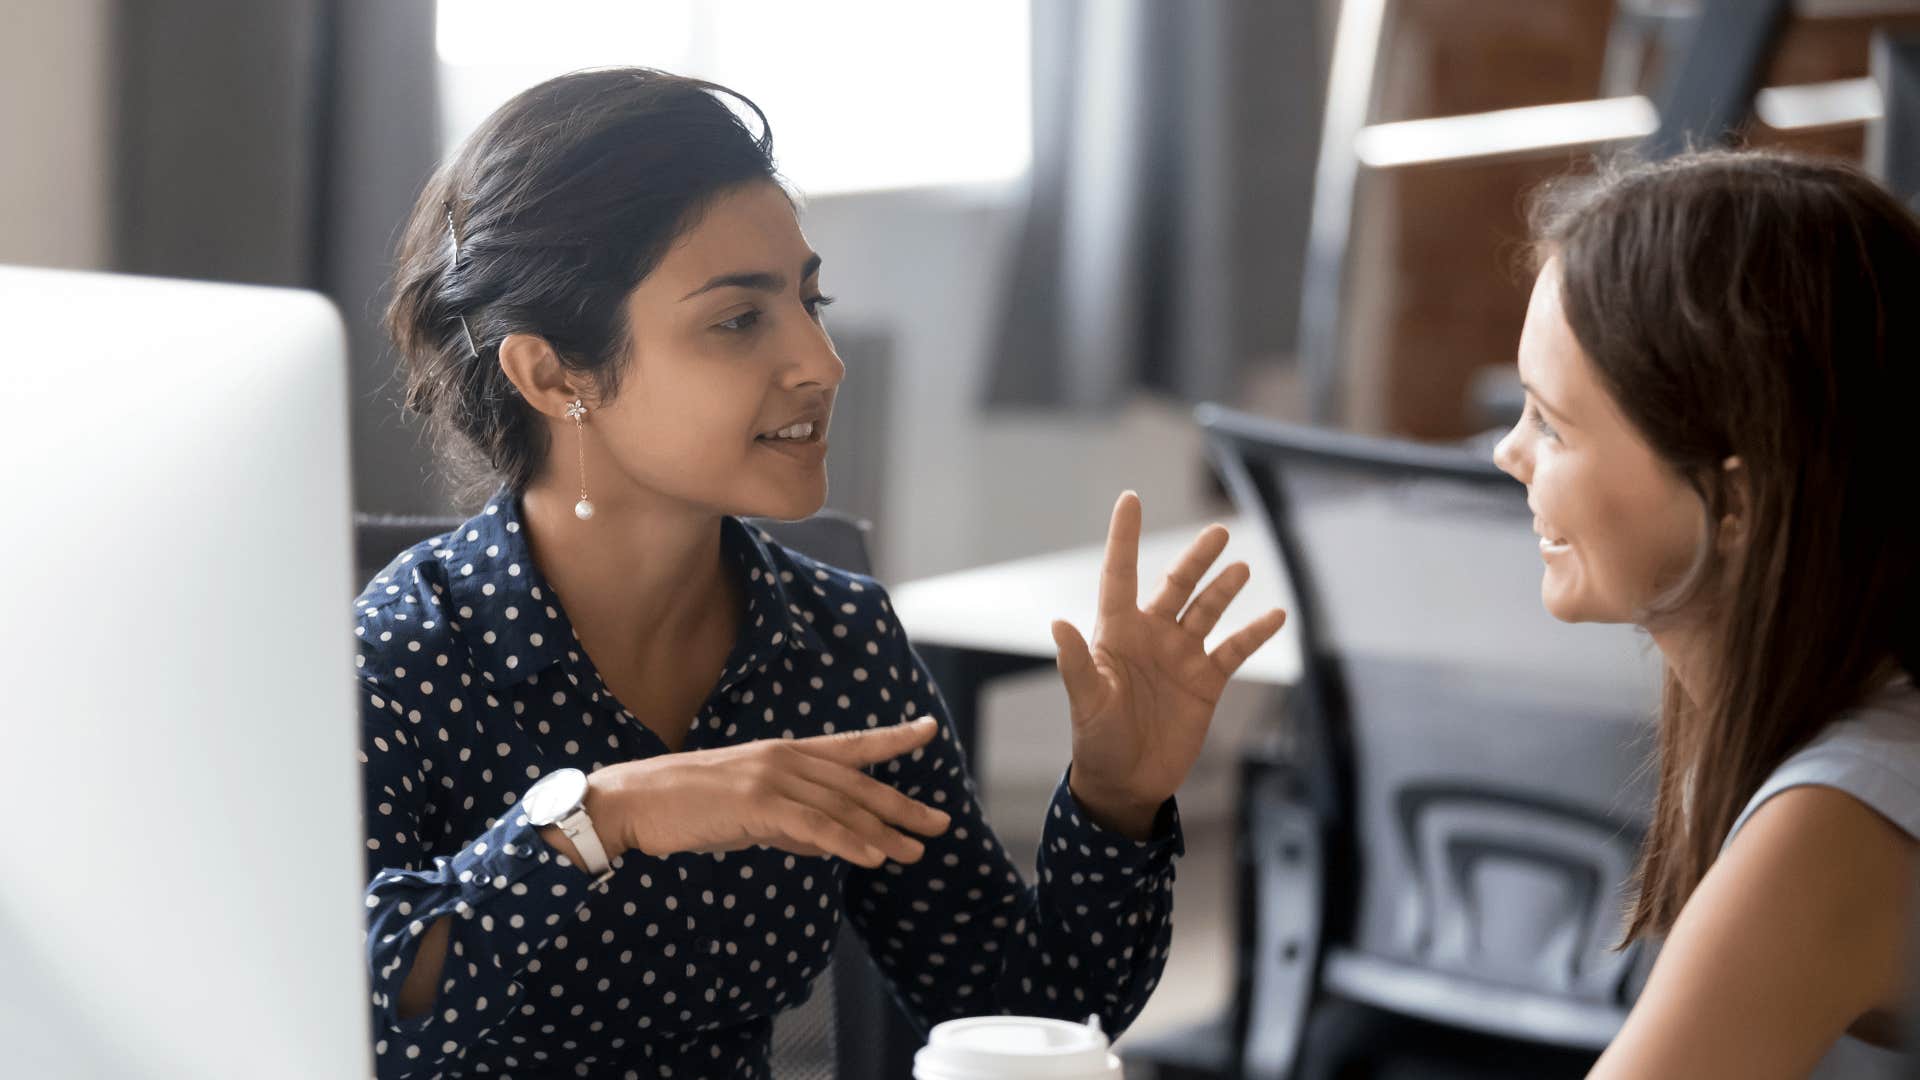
[1166, 219]
[282, 142]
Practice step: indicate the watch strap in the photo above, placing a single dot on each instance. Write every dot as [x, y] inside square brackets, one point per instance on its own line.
[579, 829]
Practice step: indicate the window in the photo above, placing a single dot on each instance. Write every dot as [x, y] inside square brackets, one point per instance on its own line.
[862, 94]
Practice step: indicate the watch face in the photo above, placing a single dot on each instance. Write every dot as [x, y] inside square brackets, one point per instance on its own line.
[555, 796]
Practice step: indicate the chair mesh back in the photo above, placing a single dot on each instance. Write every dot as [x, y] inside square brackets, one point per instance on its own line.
[803, 1037]
[1493, 756]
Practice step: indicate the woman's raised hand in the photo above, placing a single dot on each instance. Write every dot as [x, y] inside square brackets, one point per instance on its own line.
[807, 796]
[1143, 695]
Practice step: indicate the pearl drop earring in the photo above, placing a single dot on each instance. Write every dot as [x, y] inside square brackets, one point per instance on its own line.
[577, 412]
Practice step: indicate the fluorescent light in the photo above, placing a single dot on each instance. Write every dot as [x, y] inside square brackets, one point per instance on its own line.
[1847, 101]
[1506, 131]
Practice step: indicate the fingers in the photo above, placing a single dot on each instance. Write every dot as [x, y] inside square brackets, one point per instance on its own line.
[881, 800]
[835, 809]
[870, 746]
[1205, 611]
[1119, 575]
[1234, 651]
[838, 824]
[1188, 571]
[800, 826]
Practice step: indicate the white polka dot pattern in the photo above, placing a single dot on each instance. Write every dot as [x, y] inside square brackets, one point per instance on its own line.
[474, 685]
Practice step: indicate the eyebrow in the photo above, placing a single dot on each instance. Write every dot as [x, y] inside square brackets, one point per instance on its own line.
[768, 281]
[1543, 402]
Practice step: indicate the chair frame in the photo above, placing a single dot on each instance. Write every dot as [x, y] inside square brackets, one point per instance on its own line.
[1299, 860]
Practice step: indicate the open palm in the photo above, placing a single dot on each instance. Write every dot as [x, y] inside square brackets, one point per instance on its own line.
[1143, 695]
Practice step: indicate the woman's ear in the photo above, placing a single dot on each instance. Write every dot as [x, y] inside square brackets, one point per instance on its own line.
[1736, 506]
[533, 368]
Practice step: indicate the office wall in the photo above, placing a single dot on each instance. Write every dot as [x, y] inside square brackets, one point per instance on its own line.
[54, 132]
[964, 486]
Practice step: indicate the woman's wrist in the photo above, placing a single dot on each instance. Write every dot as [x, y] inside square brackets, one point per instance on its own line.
[1130, 816]
[600, 805]
[603, 804]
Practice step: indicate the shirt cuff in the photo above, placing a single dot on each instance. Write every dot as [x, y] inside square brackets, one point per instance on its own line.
[512, 859]
[1079, 852]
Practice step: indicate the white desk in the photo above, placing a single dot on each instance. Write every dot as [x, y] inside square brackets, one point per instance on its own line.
[1449, 590]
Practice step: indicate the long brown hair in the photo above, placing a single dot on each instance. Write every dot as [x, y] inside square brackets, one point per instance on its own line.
[1766, 307]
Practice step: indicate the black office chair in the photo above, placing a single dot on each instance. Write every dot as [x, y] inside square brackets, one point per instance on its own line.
[1435, 844]
[850, 1028]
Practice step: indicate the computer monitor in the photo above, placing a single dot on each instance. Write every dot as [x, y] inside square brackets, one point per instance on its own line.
[180, 894]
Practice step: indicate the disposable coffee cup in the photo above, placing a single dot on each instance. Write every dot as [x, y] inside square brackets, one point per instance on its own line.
[1016, 1048]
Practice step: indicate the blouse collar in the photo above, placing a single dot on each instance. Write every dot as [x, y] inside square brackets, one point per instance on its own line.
[511, 619]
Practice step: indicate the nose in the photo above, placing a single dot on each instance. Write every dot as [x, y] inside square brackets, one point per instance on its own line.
[814, 364]
[1511, 457]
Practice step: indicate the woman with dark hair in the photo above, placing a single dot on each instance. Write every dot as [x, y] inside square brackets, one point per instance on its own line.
[629, 762]
[1721, 360]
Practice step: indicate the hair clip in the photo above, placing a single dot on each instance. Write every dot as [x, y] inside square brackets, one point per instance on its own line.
[473, 350]
[447, 208]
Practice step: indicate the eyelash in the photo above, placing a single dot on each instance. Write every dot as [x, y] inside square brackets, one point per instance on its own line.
[745, 321]
[1540, 422]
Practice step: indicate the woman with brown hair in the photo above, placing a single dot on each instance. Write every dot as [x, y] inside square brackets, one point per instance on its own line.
[1721, 358]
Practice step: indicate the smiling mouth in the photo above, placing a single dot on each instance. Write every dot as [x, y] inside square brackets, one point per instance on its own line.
[804, 442]
[804, 432]
[1548, 542]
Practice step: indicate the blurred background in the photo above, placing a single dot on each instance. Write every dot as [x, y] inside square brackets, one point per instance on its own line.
[1053, 226]
[282, 141]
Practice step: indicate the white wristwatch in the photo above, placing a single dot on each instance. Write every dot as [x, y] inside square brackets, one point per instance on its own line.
[559, 799]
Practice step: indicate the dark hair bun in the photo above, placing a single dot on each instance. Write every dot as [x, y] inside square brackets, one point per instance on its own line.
[559, 204]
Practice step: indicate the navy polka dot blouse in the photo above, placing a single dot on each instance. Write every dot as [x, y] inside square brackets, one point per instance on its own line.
[474, 686]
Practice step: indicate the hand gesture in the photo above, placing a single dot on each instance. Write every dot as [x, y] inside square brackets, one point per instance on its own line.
[1143, 695]
[807, 796]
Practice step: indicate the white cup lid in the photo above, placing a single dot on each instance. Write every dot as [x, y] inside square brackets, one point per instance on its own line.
[1016, 1048]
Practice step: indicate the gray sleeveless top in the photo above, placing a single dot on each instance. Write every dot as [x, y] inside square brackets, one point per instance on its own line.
[1873, 754]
